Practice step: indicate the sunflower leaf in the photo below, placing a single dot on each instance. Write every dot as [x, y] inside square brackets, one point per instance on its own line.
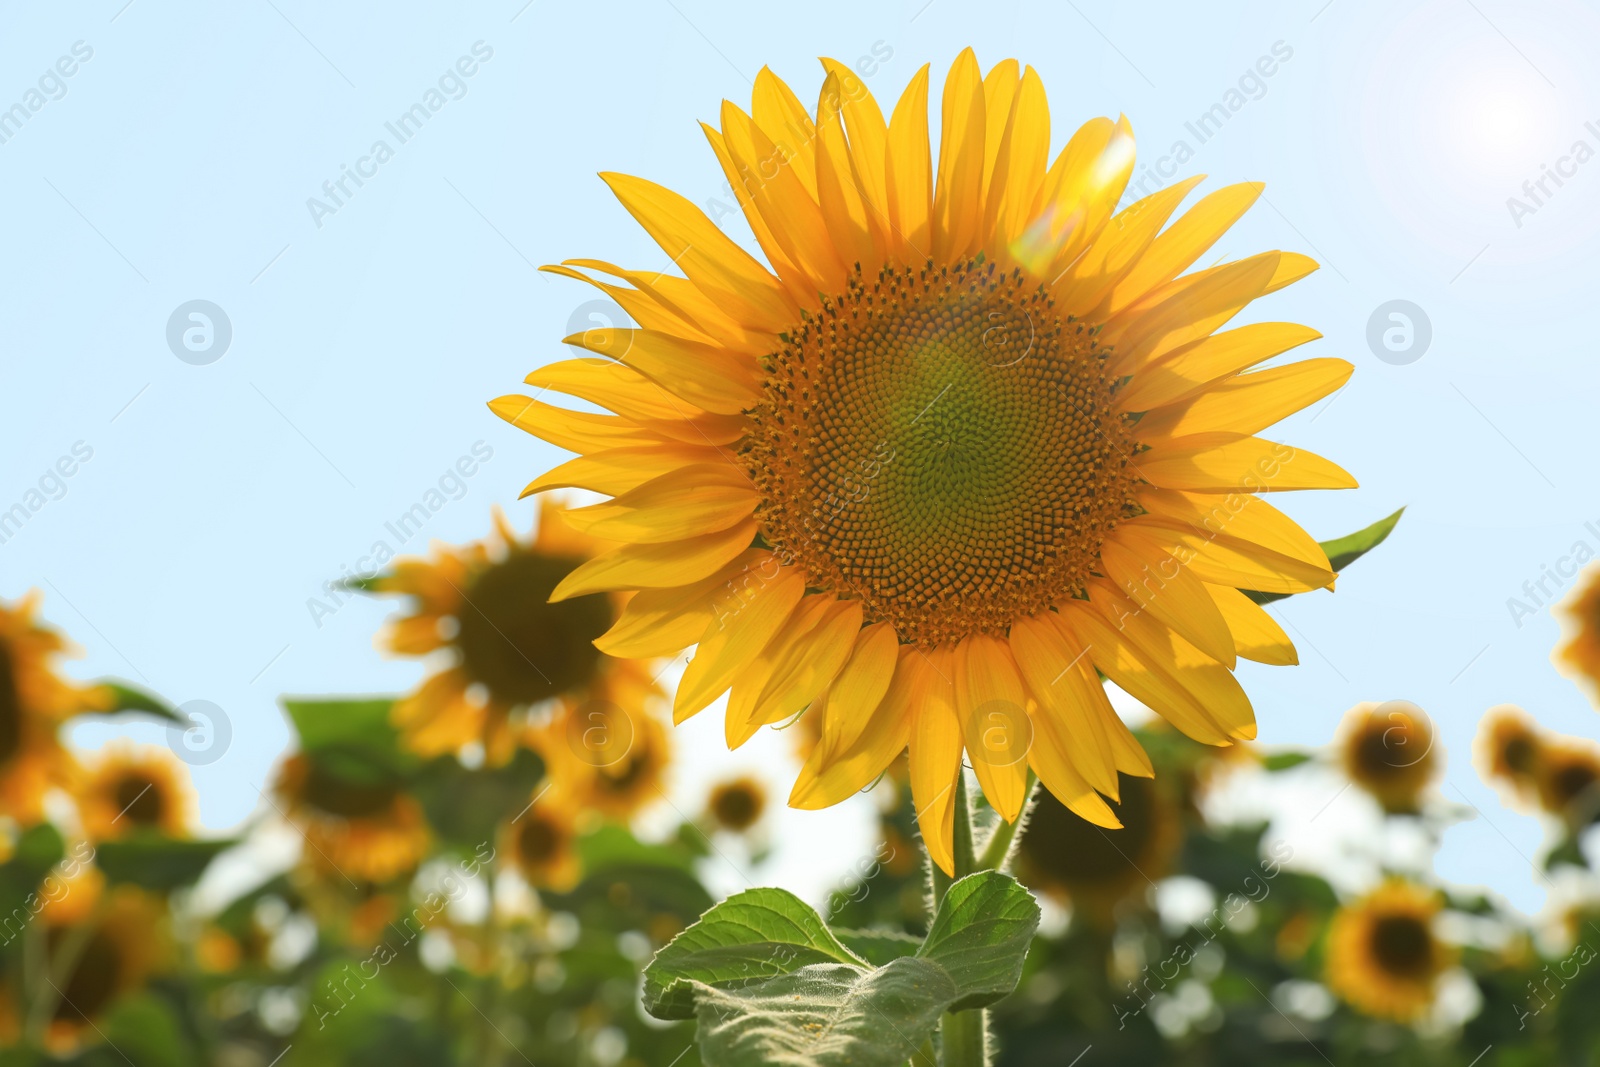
[768, 982]
[879, 947]
[126, 698]
[157, 862]
[1343, 551]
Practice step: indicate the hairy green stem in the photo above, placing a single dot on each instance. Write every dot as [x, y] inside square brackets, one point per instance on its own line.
[963, 1035]
[998, 848]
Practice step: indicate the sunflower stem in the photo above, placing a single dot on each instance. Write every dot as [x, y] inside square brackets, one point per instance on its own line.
[997, 850]
[963, 1036]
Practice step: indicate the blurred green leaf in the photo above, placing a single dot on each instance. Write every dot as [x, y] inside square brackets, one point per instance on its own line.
[1343, 551]
[127, 698]
[879, 947]
[157, 862]
[1283, 761]
[351, 739]
[466, 806]
[38, 849]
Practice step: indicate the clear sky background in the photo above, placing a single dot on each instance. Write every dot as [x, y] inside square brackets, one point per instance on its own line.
[175, 164]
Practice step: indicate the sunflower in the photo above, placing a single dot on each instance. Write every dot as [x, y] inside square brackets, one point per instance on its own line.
[1567, 780]
[34, 701]
[1581, 653]
[1384, 956]
[1388, 749]
[737, 804]
[134, 788]
[1508, 749]
[540, 844]
[1096, 868]
[966, 436]
[115, 950]
[363, 828]
[486, 603]
[603, 761]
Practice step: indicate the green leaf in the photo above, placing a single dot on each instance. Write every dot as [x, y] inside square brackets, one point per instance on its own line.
[751, 936]
[981, 935]
[352, 739]
[825, 1015]
[126, 698]
[1283, 761]
[1343, 551]
[879, 947]
[767, 982]
[157, 862]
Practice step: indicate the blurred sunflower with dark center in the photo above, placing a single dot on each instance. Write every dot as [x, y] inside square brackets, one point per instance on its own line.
[358, 823]
[604, 760]
[1508, 750]
[488, 605]
[1384, 954]
[1388, 749]
[105, 955]
[966, 436]
[541, 844]
[1567, 780]
[1580, 655]
[737, 804]
[34, 702]
[133, 788]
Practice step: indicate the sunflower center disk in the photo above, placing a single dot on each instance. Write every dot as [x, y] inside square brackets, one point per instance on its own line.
[10, 709]
[141, 800]
[521, 648]
[941, 445]
[1402, 945]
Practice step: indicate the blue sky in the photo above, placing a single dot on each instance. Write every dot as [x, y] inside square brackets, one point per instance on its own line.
[176, 161]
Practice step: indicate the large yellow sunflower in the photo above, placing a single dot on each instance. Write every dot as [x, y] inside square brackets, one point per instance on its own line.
[968, 434]
[34, 701]
[1384, 955]
[131, 788]
[487, 604]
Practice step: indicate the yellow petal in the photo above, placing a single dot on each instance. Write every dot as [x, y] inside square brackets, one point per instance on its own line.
[576, 431]
[1256, 634]
[1247, 521]
[935, 758]
[739, 723]
[1185, 311]
[865, 728]
[999, 93]
[1140, 565]
[609, 384]
[660, 622]
[782, 118]
[614, 471]
[992, 704]
[1053, 670]
[1189, 368]
[1249, 403]
[745, 620]
[641, 306]
[1084, 290]
[811, 665]
[723, 271]
[704, 375]
[685, 300]
[677, 505]
[1020, 159]
[958, 196]
[844, 208]
[654, 566]
[1235, 463]
[908, 172]
[1185, 241]
[869, 140]
[1051, 759]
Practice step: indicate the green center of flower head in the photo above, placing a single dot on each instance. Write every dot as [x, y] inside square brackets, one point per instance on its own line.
[522, 648]
[1403, 945]
[10, 707]
[95, 980]
[941, 445]
[1063, 850]
[139, 800]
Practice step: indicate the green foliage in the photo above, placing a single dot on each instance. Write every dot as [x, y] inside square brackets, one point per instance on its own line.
[1343, 551]
[128, 698]
[156, 862]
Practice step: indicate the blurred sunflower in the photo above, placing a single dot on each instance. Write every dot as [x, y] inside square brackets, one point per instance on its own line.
[111, 954]
[737, 804]
[541, 844]
[361, 827]
[1388, 750]
[131, 788]
[1508, 749]
[487, 603]
[34, 702]
[1094, 868]
[968, 439]
[1567, 780]
[1580, 655]
[604, 762]
[1384, 957]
